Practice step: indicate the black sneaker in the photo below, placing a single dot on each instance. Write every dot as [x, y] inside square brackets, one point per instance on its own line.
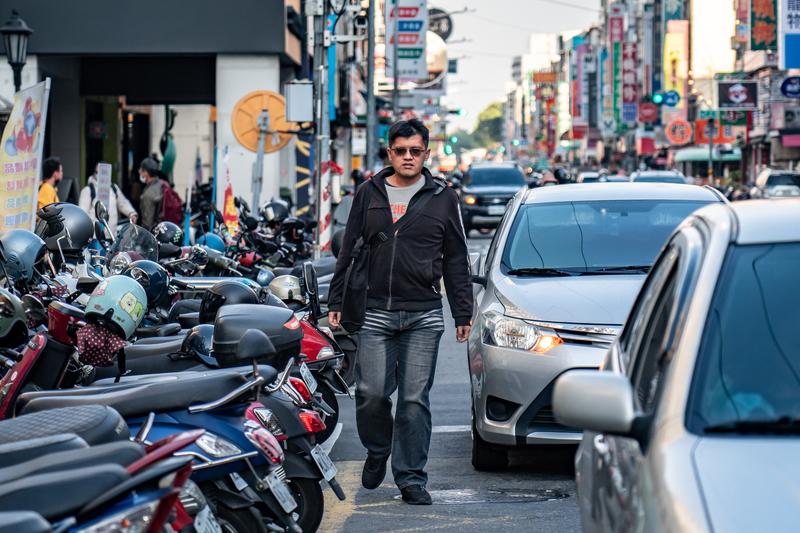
[416, 495]
[374, 472]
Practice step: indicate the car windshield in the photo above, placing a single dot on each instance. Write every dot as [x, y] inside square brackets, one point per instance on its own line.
[783, 179]
[592, 236]
[748, 365]
[482, 177]
[659, 178]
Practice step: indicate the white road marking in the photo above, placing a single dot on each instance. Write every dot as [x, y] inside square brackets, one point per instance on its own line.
[450, 429]
[328, 444]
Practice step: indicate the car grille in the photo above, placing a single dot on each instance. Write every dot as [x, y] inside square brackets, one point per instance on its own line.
[493, 200]
[545, 420]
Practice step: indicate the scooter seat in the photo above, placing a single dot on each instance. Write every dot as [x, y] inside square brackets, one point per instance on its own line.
[165, 393]
[60, 494]
[165, 330]
[95, 424]
[13, 453]
[151, 349]
[24, 522]
[268, 372]
[121, 453]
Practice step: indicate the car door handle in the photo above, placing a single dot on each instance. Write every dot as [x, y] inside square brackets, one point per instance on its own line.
[600, 444]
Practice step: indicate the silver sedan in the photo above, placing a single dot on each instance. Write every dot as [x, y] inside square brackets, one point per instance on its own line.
[694, 423]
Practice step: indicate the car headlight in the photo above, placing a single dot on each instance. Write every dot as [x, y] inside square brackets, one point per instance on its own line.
[501, 330]
[470, 200]
[217, 446]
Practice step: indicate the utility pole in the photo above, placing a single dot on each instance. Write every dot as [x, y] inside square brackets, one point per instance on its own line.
[395, 57]
[710, 135]
[372, 119]
[319, 10]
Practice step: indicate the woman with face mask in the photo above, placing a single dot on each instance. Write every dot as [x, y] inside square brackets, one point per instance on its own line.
[152, 199]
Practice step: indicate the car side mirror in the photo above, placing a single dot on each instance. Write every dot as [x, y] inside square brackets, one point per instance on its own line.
[480, 280]
[595, 400]
[253, 345]
[100, 211]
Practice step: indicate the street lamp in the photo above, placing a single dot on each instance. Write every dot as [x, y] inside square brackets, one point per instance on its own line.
[15, 36]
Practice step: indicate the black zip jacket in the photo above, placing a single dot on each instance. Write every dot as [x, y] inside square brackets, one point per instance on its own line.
[405, 271]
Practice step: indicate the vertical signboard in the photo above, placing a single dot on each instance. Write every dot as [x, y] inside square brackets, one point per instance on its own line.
[617, 82]
[564, 115]
[675, 67]
[647, 49]
[582, 87]
[412, 26]
[104, 184]
[789, 34]
[764, 25]
[630, 85]
[229, 215]
[20, 160]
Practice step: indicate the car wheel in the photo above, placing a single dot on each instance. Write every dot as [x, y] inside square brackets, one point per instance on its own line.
[484, 456]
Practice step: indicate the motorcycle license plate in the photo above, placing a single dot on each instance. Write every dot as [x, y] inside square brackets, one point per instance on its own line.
[324, 462]
[205, 522]
[281, 492]
[309, 380]
[497, 209]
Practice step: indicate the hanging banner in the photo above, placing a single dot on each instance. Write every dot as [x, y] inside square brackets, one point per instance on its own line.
[676, 68]
[617, 81]
[720, 134]
[764, 25]
[23, 140]
[324, 228]
[304, 155]
[229, 215]
[412, 27]
[789, 38]
[630, 85]
[647, 49]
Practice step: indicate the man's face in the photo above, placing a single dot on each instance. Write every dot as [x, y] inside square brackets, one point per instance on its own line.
[59, 174]
[408, 165]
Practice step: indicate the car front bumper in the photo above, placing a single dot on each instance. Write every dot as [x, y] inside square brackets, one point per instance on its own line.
[522, 382]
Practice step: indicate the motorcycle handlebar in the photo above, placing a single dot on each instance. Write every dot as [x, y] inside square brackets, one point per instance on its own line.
[182, 285]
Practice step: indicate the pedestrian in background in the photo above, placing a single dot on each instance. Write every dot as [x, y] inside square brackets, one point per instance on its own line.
[151, 203]
[118, 204]
[399, 340]
[51, 175]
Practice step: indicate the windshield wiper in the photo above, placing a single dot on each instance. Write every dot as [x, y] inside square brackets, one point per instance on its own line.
[783, 425]
[631, 268]
[540, 272]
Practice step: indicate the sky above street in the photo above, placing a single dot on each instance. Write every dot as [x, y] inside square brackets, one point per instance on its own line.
[499, 30]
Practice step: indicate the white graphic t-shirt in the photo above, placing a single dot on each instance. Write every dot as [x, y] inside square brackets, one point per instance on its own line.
[400, 196]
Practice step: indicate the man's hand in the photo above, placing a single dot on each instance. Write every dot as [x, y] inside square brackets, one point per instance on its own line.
[334, 317]
[462, 333]
[134, 217]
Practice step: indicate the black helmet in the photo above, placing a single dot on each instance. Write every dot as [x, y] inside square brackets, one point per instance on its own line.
[13, 325]
[275, 211]
[23, 250]
[225, 293]
[67, 225]
[152, 277]
[561, 175]
[168, 233]
[198, 343]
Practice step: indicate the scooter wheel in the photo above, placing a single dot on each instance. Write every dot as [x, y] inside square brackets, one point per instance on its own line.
[329, 397]
[248, 520]
[310, 503]
[348, 371]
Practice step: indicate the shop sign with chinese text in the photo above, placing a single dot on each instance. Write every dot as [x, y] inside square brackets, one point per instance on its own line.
[630, 86]
[764, 24]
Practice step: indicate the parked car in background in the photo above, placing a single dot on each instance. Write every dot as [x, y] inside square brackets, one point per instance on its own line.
[776, 184]
[697, 405]
[486, 189]
[592, 177]
[657, 176]
[556, 285]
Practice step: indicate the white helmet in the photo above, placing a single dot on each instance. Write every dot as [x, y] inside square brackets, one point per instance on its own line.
[287, 288]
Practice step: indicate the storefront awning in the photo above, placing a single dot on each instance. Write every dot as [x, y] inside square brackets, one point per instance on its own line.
[700, 153]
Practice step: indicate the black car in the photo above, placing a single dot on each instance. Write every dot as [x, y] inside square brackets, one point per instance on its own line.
[485, 191]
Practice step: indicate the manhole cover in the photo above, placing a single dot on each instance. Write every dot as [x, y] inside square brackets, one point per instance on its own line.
[464, 496]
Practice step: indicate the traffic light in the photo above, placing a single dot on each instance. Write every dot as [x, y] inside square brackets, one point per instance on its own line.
[453, 139]
[502, 148]
[448, 149]
[658, 98]
[460, 112]
[515, 142]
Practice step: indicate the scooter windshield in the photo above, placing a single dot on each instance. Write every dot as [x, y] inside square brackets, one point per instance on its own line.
[134, 244]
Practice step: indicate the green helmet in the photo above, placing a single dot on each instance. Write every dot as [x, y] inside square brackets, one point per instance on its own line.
[13, 325]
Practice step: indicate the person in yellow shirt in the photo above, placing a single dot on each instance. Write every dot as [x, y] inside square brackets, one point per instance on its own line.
[52, 173]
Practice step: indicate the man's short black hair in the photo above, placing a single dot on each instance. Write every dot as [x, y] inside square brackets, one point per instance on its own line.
[150, 166]
[407, 129]
[50, 167]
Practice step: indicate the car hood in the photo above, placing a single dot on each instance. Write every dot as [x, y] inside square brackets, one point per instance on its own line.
[483, 190]
[575, 300]
[750, 483]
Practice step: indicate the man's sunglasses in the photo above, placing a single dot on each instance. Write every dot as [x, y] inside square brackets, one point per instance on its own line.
[416, 152]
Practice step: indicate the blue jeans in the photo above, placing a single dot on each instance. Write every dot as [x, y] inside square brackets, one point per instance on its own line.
[397, 351]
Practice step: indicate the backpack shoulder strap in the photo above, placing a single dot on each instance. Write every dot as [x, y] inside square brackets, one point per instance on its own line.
[92, 191]
[441, 185]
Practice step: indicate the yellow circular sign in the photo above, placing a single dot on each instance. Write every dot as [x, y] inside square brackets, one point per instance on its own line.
[245, 121]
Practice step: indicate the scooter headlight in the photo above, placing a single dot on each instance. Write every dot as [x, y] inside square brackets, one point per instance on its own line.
[217, 446]
[118, 263]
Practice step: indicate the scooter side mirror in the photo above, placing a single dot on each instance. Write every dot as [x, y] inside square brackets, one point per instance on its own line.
[198, 256]
[34, 308]
[100, 234]
[251, 223]
[254, 344]
[100, 211]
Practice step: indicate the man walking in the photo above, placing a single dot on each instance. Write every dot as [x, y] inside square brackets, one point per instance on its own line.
[118, 204]
[399, 341]
[151, 203]
[52, 172]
